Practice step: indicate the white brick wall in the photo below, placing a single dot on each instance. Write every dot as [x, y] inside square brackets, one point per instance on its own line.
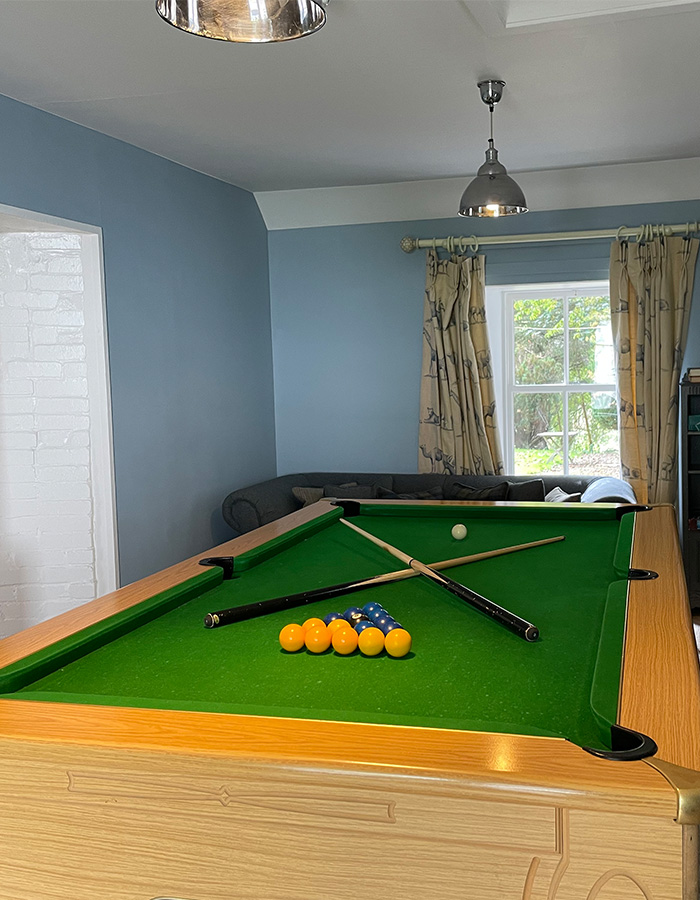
[47, 542]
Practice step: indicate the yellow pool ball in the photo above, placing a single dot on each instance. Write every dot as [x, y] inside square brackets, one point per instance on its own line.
[371, 642]
[292, 638]
[345, 641]
[313, 623]
[338, 625]
[317, 640]
[397, 643]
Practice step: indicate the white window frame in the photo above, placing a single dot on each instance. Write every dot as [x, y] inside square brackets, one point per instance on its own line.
[567, 291]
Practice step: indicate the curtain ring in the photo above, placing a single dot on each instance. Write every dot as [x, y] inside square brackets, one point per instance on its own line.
[618, 233]
[462, 246]
[434, 245]
[474, 243]
[450, 244]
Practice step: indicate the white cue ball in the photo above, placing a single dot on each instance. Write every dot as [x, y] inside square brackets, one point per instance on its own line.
[459, 532]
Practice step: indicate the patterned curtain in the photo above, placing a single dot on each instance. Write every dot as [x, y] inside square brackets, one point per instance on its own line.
[651, 286]
[457, 433]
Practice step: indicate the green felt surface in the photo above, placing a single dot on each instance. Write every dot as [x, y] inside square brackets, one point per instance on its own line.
[464, 671]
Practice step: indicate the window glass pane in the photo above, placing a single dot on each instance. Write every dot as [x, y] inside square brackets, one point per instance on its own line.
[538, 435]
[538, 327]
[591, 359]
[594, 447]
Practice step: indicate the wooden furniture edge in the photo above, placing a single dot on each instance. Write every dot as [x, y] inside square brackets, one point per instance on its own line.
[686, 784]
[660, 693]
[553, 769]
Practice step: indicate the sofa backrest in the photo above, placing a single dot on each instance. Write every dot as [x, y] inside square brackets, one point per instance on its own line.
[253, 506]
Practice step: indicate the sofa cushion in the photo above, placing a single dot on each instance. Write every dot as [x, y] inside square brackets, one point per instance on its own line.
[307, 495]
[526, 490]
[433, 493]
[319, 479]
[411, 483]
[458, 491]
[351, 491]
[556, 495]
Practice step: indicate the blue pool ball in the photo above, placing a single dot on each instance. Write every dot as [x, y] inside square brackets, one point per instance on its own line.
[360, 627]
[369, 608]
[382, 621]
[378, 613]
[352, 611]
[331, 617]
[391, 625]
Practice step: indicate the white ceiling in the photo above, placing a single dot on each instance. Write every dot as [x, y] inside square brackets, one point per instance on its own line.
[385, 92]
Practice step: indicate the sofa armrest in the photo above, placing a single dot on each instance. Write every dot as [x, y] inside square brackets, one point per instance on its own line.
[251, 507]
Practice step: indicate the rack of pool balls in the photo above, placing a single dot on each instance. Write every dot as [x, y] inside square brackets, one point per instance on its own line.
[370, 629]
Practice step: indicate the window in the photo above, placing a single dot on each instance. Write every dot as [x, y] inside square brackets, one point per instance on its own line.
[561, 409]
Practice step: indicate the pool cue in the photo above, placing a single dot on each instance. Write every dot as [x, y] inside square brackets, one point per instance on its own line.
[509, 620]
[265, 607]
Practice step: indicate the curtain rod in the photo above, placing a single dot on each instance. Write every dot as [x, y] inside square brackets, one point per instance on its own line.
[451, 244]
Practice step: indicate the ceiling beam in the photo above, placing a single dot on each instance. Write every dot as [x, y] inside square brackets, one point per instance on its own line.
[490, 15]
[533, 13]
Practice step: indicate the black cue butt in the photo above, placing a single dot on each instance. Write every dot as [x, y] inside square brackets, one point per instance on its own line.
[524, 629]
[277, 604]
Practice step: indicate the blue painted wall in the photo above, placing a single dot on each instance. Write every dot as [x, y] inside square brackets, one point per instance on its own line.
[188, 322]
[189, 303]
[347, 307]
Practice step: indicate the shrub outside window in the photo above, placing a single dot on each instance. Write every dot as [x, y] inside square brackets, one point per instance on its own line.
[560, 381]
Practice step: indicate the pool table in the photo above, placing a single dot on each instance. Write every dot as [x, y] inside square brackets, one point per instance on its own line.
[145, 756]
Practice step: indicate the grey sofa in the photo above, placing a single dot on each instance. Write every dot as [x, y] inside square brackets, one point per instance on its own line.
[253, 506]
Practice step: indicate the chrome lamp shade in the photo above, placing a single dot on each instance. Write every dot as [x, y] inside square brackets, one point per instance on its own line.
[493, 192]
[244, 21]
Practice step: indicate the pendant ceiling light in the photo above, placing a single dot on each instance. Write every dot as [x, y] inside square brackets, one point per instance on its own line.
[245, 21]
[493, 192]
